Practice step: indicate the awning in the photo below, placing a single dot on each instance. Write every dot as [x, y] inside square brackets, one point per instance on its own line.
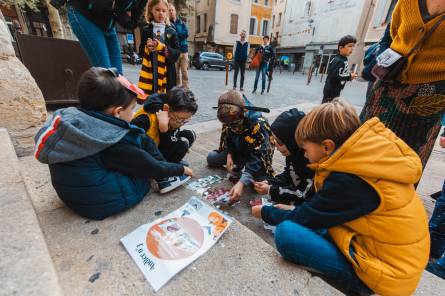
[290, 50]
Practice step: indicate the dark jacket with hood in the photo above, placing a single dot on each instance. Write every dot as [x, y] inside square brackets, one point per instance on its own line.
[250, 146]
[294, 185]
[183, 34]
[99, 165]
[338, 75]
[159, 82]
[104, 14]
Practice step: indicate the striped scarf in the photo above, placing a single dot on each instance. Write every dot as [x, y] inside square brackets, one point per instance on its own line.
[153, 75]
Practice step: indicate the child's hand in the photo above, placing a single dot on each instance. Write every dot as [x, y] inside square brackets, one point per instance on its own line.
[284, 207]
[229, 163]
[236, 192]
[188, 171]
[163, 120]
[151, 44]
[261, 187]
[442, 142]
[256, 211]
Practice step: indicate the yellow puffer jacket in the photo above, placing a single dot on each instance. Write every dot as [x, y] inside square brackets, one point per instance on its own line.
[391, 244]
[153, 130]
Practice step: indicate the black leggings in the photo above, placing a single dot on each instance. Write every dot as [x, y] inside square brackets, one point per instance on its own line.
[174, 145]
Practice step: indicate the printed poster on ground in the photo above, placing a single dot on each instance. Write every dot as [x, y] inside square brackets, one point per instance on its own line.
[164, 247]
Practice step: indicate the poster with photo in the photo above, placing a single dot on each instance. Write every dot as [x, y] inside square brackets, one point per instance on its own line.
[165, 246]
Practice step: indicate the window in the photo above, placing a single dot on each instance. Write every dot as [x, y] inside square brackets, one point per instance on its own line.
[255, 1]
[390, 10]
[266, 2]
[252, 26]
[198, 24]
[273, 21]
[279, 19]
[265, 29]
[233, 24]
[205, 22]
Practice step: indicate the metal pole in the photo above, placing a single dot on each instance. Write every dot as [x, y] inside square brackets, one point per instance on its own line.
[327, 68]
[227, 73]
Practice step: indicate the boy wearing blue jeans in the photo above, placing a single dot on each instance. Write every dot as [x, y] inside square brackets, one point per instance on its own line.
[437, 228]
[365, 227]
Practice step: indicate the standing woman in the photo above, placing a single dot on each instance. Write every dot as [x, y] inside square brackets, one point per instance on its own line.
[94, 24]
[159, 48]
[413, 105]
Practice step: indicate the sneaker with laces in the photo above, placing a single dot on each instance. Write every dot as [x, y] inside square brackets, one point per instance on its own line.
[169, 184]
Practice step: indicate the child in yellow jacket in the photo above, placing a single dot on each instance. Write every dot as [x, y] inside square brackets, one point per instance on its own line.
[377, 237]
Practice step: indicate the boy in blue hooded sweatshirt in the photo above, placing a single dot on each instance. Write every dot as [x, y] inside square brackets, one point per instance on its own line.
[99, 163]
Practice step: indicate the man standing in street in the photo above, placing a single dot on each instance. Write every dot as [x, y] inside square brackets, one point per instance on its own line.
[240, 52]
[267, 52]
[182, 64]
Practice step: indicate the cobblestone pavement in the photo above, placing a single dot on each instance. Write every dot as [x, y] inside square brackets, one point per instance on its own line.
[286, 90]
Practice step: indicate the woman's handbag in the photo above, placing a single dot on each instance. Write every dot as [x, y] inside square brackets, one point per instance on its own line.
[256, 61]
[390, 63]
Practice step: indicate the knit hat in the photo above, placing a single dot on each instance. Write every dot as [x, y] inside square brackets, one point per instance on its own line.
[284, 128]
[232, 105]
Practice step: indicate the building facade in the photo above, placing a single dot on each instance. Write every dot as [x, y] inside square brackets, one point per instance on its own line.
[216, 24]
[312, 28]
[278, 13]
[260, 21]
[380, 19]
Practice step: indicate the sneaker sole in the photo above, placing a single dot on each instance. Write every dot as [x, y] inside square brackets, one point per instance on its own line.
[174, 186]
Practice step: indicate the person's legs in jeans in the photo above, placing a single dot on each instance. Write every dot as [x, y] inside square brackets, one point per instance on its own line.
[114, 50]
[310, 249]
[257, 76]
[235, 73]
[216, 158]
[92, 39]
[242, 67]
[183, 65]
[263, 76]
[437, 227]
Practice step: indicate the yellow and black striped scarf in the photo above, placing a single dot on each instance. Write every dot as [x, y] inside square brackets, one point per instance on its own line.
[148, 73]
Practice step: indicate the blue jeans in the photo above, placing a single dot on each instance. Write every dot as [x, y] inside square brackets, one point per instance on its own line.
[263, 70]
[437, 227]
[318, 253]
[102, 47]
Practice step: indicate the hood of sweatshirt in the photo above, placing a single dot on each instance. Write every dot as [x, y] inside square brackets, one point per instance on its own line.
[73, 133]
[374, 151]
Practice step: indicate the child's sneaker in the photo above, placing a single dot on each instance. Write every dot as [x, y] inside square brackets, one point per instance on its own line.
[168, 184]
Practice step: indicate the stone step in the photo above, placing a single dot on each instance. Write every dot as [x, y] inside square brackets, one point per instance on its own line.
[26, 267]
[89, 258]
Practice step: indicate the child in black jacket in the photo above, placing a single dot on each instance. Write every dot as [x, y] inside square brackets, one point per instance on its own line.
[338, 70]
[245, 146]
[295, 183]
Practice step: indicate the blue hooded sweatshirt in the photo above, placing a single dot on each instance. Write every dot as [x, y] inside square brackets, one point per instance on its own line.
[99, 165]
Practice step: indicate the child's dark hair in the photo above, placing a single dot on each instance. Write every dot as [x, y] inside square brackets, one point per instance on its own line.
[181, 99]
[99, 89]
[346, 40]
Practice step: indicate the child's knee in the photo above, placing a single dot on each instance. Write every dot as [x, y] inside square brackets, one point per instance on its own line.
[188, 137]
[282, 239]
[215, 159]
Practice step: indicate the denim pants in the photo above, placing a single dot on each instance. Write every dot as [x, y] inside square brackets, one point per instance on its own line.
[102, 47]
[316, 252]
[437, 227]
[263, 70]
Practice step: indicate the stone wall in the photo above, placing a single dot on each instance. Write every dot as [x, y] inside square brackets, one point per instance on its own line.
[22, 107]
